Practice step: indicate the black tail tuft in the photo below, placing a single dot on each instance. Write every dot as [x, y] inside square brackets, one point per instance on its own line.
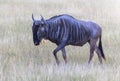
[101, 49]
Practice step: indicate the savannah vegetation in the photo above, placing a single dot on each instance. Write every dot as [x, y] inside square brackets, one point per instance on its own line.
[20, 60]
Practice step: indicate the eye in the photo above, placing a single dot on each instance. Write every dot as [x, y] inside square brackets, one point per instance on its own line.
[43, 25]
[36, 25]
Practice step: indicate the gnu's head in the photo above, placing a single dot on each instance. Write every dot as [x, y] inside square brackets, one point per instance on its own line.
[39, 29]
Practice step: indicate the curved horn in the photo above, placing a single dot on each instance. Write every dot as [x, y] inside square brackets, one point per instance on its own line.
[33, 18]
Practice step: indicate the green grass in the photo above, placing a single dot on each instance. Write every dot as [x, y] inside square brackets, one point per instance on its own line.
[20, 60]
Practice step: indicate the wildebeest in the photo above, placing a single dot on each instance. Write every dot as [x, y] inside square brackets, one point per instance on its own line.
[65, 30]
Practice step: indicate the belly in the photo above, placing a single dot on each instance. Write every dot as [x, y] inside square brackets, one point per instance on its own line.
[77, 42]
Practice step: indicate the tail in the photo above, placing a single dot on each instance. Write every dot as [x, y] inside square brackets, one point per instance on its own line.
[101, 49]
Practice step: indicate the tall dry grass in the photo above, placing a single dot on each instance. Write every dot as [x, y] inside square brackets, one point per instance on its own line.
[20, 60]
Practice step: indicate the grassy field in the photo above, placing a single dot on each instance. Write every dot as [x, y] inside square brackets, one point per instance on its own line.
[20, 60]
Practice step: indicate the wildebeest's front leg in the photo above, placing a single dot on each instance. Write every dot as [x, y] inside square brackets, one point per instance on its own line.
[60, 46]
[64, 54]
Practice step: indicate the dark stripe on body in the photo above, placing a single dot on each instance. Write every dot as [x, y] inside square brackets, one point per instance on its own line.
[65, 30]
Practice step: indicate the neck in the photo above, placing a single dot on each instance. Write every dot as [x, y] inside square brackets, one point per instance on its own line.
[47, 31]
[50, 34]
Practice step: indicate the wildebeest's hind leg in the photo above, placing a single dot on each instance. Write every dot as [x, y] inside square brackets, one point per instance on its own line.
[64, 55]
[99, 54]
[92, 43]
[60, 46]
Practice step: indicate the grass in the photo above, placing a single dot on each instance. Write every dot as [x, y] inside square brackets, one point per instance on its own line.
[20, 60]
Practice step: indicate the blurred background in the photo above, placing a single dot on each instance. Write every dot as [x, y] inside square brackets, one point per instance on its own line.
[21, 60]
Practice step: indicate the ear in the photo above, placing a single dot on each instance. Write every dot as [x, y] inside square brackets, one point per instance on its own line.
[33, 18]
